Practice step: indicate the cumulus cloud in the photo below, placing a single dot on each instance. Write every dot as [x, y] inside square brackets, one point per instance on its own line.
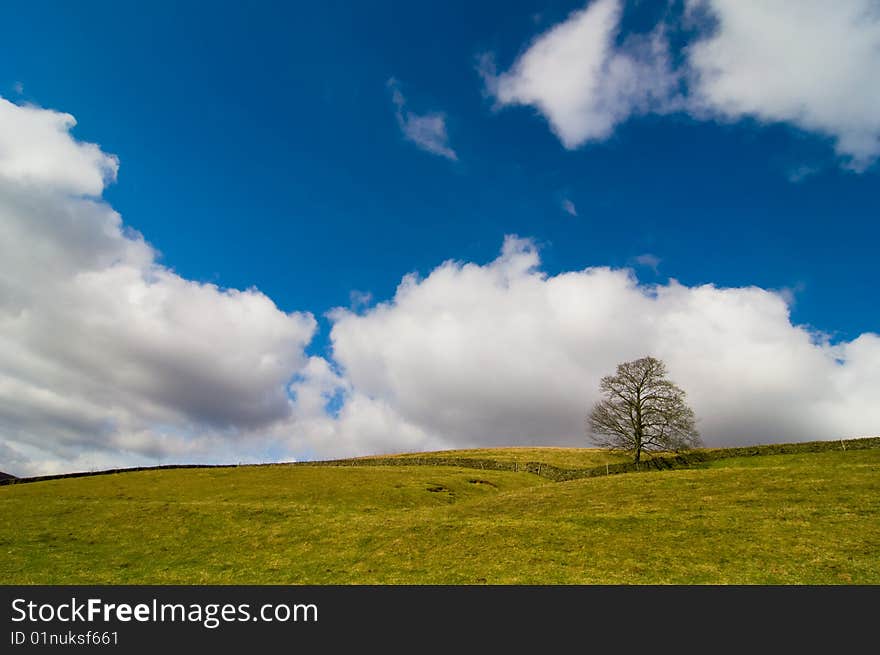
[582, 81]
[811, 64]
[569, 208]
[427, 131]
[502, 353]
[359, 423]
[104, 353]
[108, 358]
[36, 150]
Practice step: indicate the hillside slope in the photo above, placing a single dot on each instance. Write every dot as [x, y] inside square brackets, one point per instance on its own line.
[778, 519]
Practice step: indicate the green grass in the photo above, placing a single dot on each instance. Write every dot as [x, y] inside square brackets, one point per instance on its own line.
[804, 518]
[562, 457]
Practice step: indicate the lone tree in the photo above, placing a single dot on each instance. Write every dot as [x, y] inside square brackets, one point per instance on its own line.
[642, 411]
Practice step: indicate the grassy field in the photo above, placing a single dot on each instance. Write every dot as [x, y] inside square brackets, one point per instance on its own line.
[777, 519]
[563, 457]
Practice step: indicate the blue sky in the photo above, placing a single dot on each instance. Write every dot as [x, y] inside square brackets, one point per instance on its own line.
[260, 146]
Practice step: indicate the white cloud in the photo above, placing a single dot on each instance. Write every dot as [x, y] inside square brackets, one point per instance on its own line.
[568, 207]
[36, 150]
[809, 63]
[581, 81]
[106, 355]
[427, 131]
[504, 354]
[362, 424]
[790, 293]
[108, 358]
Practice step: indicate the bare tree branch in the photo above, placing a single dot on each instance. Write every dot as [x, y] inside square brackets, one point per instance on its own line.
[642, 411]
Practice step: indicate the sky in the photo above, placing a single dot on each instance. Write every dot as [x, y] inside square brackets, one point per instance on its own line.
[273, 231]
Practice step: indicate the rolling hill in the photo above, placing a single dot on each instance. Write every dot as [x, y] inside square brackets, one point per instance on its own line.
[782, 514]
